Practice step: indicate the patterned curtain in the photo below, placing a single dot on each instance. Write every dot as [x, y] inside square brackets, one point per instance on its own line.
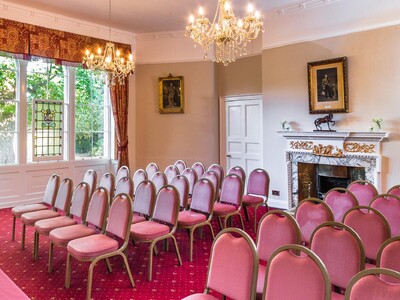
[119, 102]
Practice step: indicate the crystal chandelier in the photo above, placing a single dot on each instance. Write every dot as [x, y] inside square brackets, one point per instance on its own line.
[110, 61]
[229, 36]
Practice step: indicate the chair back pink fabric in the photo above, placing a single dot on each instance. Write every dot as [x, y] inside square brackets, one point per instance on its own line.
[159, 179]
[199, 168]
[310, 213]
[232, 190]
[98, 207]
[292, 275]
[369, 285]
[213, 177]
[144, 198]
[389, 206]
[90, 178]
[80, 200]
[363, 190]
[107, 181]
[137, 178]
[124, 185]
[166, 208]
[122, 172]
[276, 229]
[182, 185]
[340, 200]
[191, 176]
[394, 190]
[120, 215]
[180, 165]
[389, 257]
[220, 172]
[151, 169]
[171, 172]
[258, 183]
[340, 249]
[233, 265]
[239, 172]
[51, 190]
[64, 194]
[203, 196]
[370, 225]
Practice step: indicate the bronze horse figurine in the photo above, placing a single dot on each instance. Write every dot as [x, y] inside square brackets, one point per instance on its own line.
[327, 119]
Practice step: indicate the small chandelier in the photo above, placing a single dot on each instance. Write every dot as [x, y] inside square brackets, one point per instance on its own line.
[110, 61]
[229, 36]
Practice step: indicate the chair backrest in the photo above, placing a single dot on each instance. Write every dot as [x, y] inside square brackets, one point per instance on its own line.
[98, 207]
[122, 172]
[369, 285]
[340, 200]
[137, 178]
[144, 198]
[171, 172]
[124, 185]
[199, 168]
[203, 196]
[232, 190]
[340, 249]
[80, 200]
[182, 185]
[310, 213]
[370, 225]
[276, 229]
[363, 190]
[180, 165]
[50, 193]
[107, 181]
[90, 178]
[151, 169]
[191, 176]
[233, 265]
[220, 172]
[239, 172]
[159, 179]
[64, 195]
[120, 216]
[389, 257]
[258, 182]
[389, 206]
[295, 272]
[166, 208]
[213, 177]
[394, 190]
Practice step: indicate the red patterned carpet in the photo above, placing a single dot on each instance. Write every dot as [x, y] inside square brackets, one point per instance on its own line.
[169, 280]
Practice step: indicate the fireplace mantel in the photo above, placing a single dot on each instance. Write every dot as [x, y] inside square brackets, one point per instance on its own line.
[367, 136]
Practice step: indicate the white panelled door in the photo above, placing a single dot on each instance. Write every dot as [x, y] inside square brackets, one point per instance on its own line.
[244, 128]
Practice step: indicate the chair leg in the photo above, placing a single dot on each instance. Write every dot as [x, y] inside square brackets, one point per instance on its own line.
[128, 269]
[23, 237]
[212, 230]
[13, 229]
[220, 223]
[90, 279]
[109, 269]
[241, 220]
[246, 213]
[191, 244]
[255, 219]
[166, 245]
[68, 271]
[35, 245]
[178, 255]
[155, 250]
[51, 248]
[150, 266]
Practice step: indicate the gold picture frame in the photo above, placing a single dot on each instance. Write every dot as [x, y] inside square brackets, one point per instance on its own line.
[171, 94]
[327, 86]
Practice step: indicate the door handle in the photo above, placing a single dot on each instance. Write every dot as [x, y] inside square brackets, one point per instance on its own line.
[229, 156]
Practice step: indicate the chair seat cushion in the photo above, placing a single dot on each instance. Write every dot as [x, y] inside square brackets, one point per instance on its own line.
[62, 236]
[369, 265]
[221, 209]
[22, 209]
[148, 230]
[189, 218]
[200, 297]
[336, 296]
[260, 279]
[137, 218]
[45, 226]
[249, 200]
[31, 218]
[92, 246]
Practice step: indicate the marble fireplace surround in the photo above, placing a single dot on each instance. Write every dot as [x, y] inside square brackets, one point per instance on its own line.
[352, 149]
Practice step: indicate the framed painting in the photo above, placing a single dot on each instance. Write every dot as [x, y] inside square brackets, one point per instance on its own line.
[327, 86]
[171, 99]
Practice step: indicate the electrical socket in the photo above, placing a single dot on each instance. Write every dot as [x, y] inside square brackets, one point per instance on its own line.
[275, 193]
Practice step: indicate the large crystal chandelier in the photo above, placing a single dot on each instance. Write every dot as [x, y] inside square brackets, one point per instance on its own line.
[110, 60]
[229, 36]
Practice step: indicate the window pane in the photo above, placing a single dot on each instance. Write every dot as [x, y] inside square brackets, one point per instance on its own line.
[83, 144]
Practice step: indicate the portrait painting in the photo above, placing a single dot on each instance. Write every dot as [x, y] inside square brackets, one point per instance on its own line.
[171, 94]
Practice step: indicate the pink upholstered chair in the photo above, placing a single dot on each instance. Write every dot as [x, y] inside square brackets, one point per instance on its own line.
[124, 185]
[389, 257]
[171, 172]
[276, 229]
[295, 272]
[213, 177]
[151, 169]
[371, 226]
[90, 178]
[239, 172]
[61, 204]
[340, 200]
[74, 213]
[220, 172]
[93, 223]
[389, 206]
[182, 185]
[107, 181]
[180, 165]
[232, 268]
[121, 173]
[94, 248]
[310, 213]
[363, 190]
[159, 179]
[162, 224]
[191, 176]
[341, 250]
[200, 211]
[230, 200]
[394, 190]
[199, 168]
[137, 178]
[369, 285]
[257, 192]
[49, 197]
[144, 201]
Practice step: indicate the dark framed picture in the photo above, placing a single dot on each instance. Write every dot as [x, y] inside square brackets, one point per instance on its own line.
[171, 94]
[327, 86]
